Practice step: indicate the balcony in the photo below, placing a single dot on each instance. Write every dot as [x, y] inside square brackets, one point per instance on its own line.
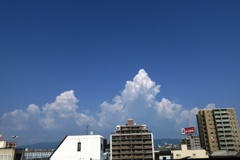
[228, 148]
[225, 120]
[224, 112]
[116, 148]
[221, 134]
[126, 157]
[148, 151]
[125, 147]
[228, 138]
[216, 112]
[126, 152]
[125, 142]
[137, 137]
[137, 146]
[224, 125]
[230, 143]
[116, 158]
[115, 153]
[225, 116]
[137, 152]
[137, 142]
[147, 146]
[137, 156]
[148, 142]
[228, 133]
[116, 143]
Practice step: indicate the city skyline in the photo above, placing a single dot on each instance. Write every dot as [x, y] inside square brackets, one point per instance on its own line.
[65, 65]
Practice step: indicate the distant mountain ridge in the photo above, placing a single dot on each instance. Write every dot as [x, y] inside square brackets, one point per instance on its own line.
[163, 141]
[54, 145]
[42, 145]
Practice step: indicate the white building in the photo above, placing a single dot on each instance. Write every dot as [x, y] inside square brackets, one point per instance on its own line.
[7, 149]
[193, 153]
[80, 147]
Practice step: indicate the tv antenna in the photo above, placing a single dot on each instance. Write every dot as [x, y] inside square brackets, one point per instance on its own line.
[87, 126]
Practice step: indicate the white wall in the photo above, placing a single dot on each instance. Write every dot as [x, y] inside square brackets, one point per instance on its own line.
[3, 144]
[90, 148]
[7, 154]
[197, 153]
[166, 156]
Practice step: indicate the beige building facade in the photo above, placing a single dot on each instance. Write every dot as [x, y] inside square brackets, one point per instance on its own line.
[131, 141]
[7, 151]
[218, 129]
[192, 153]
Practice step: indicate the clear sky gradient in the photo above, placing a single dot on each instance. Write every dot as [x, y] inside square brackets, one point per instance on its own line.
[68, 64]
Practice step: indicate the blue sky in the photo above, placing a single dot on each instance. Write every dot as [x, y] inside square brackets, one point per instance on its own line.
[68, 64]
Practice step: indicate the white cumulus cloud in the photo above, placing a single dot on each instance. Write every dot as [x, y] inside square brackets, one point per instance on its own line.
[137, 100]
[137, 96]
[167, 108]
[64, 108]
[211, 106]
[15, 120]
[33, 109]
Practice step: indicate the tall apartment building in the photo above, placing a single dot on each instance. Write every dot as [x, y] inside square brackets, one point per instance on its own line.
[193, 142]
[131, 142]
[218, 129]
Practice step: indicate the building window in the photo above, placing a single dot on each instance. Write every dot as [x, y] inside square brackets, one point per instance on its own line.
[79, 146]
[178, 155]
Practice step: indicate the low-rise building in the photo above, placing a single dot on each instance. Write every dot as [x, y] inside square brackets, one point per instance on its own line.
[163, 155]
[30, 154]
[184, 152]
[7, 149]
[80, 147]
[7, 153]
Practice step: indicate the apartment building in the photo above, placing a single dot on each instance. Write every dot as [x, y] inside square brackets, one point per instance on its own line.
[132, 142]
[193, 142]
[218, 129]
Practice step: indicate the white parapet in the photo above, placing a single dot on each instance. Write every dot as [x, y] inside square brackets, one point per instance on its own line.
[3, 144]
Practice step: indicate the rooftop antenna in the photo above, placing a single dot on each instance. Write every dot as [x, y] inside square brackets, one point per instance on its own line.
[87, 129]
[13, 137]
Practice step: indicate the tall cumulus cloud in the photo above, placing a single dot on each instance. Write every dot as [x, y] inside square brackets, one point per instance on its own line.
[137, 100]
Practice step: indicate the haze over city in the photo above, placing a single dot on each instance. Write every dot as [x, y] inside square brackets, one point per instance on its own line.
[65, 65]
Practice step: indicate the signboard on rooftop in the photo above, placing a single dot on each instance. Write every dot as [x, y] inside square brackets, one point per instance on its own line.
[188, 130]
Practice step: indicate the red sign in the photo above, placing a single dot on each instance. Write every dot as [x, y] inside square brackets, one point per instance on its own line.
[189, 130]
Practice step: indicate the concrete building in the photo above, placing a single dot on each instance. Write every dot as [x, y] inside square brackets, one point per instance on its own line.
[7, 153]
[163, 155]
[184, 153]
[7, 150]
[131, 142]
[80, 147]
[218, 129]
[193, 142]
[30, 154]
